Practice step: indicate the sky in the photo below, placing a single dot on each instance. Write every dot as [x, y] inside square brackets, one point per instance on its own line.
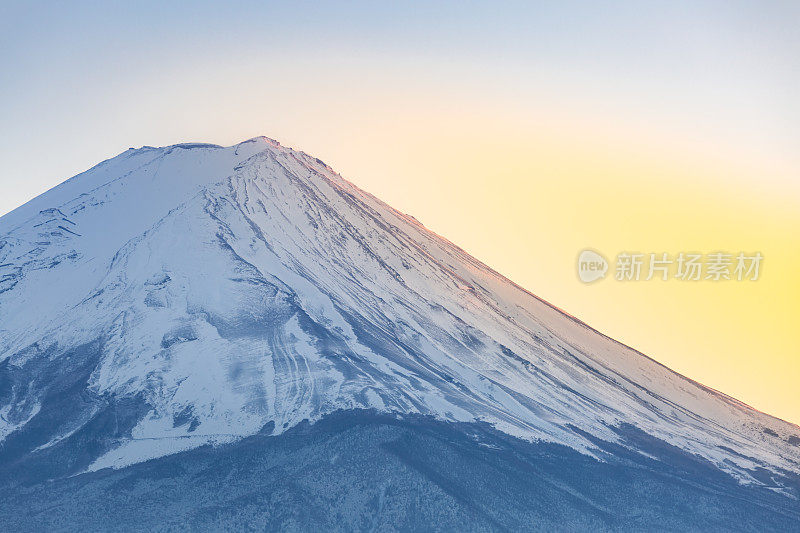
[525, 132]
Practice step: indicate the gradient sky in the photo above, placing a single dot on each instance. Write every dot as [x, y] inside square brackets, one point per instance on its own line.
[523, 131]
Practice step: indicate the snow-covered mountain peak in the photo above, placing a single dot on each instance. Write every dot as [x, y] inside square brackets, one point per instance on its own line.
[263, 139]
[195, 293]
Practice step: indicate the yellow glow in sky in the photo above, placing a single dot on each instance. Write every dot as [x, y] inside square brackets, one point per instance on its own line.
[523, 134]
[527, 194]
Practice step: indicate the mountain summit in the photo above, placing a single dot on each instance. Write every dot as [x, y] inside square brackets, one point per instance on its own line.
[250, 298]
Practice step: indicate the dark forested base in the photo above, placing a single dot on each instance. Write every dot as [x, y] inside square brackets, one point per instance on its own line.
[359, 470]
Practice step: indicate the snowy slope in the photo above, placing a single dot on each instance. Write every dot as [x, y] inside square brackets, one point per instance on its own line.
[218, 292]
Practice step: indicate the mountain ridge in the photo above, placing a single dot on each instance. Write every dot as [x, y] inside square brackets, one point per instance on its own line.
[232, 287]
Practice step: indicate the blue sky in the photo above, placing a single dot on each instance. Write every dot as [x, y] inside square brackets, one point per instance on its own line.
[487, 121]
[66, 64]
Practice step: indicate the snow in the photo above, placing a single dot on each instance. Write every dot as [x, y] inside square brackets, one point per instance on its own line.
[250, 285]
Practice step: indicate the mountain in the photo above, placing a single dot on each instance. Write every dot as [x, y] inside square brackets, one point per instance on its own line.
[205, 336]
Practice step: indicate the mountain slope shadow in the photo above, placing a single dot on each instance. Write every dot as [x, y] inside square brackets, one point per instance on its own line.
[361, 470]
